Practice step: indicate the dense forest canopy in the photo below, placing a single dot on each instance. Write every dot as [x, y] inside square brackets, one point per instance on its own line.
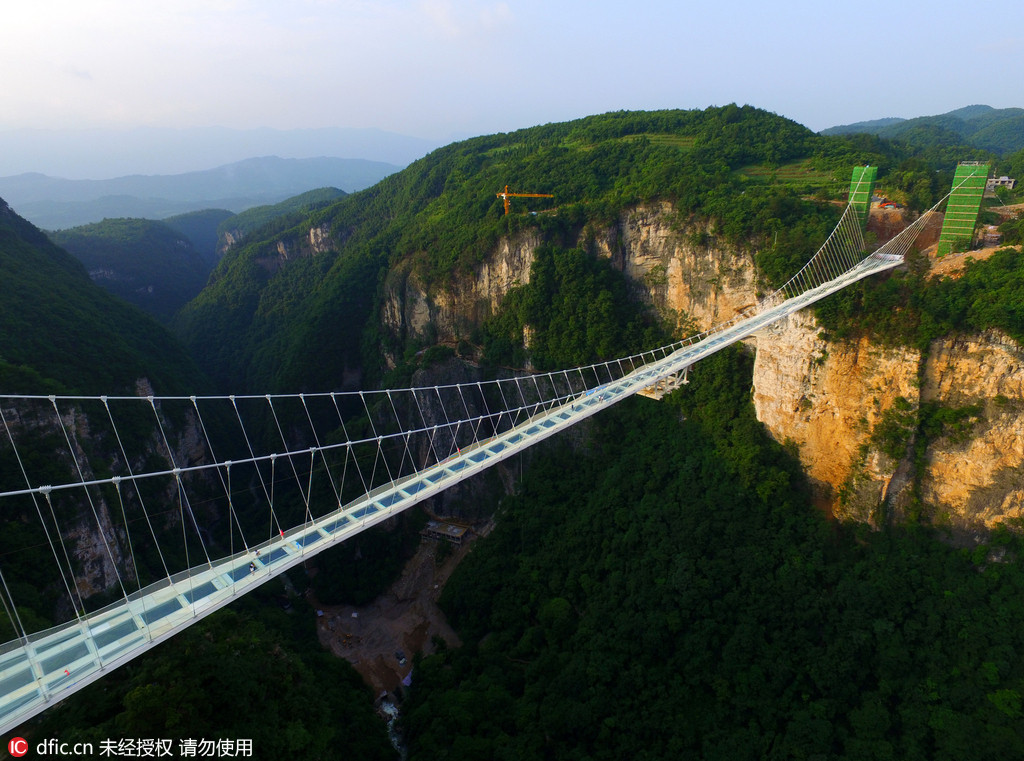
[579, 311]
[51, 312]
[144, 262]
[669, 592]
[910, 308]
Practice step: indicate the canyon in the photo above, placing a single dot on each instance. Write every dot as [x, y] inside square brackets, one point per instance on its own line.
[824, 398]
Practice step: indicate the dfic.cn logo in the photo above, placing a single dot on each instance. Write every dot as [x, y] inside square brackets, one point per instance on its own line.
[17, 747]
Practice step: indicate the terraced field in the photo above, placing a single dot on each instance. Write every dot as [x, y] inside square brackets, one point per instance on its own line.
[797, 173]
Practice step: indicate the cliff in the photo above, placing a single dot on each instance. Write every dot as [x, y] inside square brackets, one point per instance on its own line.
[868, 423]
[975, 479]
[413, 311]
[688, 276]
[827, 398]
[852, 410]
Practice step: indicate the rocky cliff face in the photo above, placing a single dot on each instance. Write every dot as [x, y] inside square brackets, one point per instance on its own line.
[976, 478]
[317, 240]
[833, 401]
[446, 314]
[827, 398]
[689, 278]
[687, 275]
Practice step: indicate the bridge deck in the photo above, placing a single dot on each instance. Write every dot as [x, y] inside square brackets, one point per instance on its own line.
[52, 664]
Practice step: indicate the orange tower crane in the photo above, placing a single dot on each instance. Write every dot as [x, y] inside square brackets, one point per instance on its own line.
[505, 195]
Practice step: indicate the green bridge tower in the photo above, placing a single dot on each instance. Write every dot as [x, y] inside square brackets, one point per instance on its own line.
[862, 184]
[962, 207]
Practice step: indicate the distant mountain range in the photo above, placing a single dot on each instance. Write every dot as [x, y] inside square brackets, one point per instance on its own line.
[53, 203]
[103, 153]
[998, 130]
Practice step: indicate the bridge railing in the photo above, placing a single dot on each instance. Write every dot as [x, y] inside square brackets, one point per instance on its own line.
[373, 448]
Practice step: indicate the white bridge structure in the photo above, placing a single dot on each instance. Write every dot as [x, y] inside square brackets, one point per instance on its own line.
[196, 500]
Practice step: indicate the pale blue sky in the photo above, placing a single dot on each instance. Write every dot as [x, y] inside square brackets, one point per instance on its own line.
[446, 69]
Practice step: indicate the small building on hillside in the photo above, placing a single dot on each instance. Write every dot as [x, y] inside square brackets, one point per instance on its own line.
[449, 532]
[1000, 182]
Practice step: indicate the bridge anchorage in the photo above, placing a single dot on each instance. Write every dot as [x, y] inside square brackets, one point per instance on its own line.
[197, 500]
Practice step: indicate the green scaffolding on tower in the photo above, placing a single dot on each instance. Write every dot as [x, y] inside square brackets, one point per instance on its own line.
[962, 207]
[862, 184]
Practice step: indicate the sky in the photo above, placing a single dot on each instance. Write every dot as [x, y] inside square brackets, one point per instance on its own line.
[442, 70]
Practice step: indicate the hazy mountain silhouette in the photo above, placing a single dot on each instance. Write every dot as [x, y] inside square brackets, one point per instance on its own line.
[54, 203]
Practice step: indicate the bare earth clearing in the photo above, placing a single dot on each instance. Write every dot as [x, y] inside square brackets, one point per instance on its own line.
[404, 620]
[952, 264]
[1008, 212]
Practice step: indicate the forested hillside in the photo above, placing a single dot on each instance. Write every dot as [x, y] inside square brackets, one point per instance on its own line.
[658, 585]
[309, 292]
[158, 265]
[669, 592]
[201, 227]
[292, 311]
[144, 262]
[998, 130]
[62, 332]
[282, 215]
